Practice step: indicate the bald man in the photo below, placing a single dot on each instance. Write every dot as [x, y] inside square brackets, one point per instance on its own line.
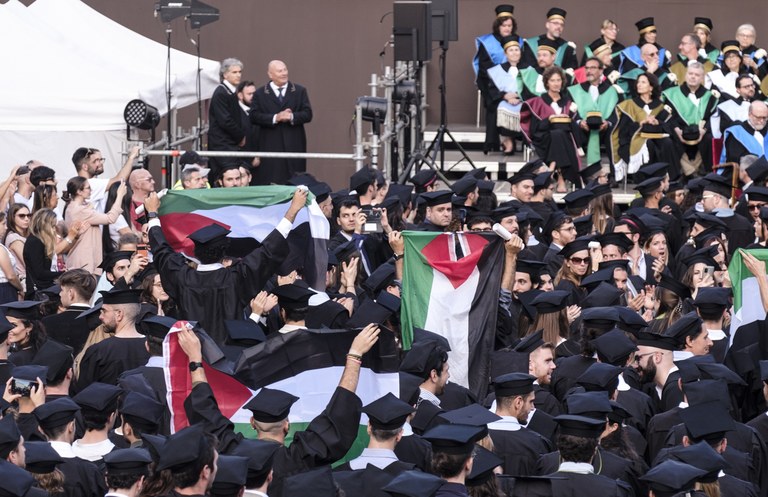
[748, 137]
[280, 108]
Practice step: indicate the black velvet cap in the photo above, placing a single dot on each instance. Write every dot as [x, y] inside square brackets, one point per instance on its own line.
[182, 448]
[260, 455]
[453, 439]
[600, 377]
[708, 421]
[712, 298]
[56, 412]
[245, 332]
[579, 426]
[553, 301]
[471, 415]
[127, 461]
[513, 384]
[758, 171]
[505, 361]
[421, 357]
[504, 9]
[713, 182]
[424, 178]
[387, 412]
[143, 411]
[41, 457]
[116, 296]
[209, 234]
[362, 177]
[30, 372]
[556, 12]
[644, 24]
[110, 259]
[578, 199]
[14, 481]
[672, 476]
[595, 405]
[649, 339]
[56, 356]
[293, 296]
[657, 169]
[232, 474]
[439, 197]
[97, 396]
[22, 309]
[579, 244]
[414, 483]
[689, 325]
[316, 482]
[482, 467]
[156, 326]
[530, 342]
[270, 405]
[702, 456]
[9, 433]
[613, 347]
[649, 185]
[464, 186]
[674, 286]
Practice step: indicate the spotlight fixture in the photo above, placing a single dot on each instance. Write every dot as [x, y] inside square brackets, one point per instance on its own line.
[374, 108]
[202, 14]
[139, 114]
[171, 9]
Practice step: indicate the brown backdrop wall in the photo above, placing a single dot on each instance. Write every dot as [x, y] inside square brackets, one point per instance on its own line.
[333, 46]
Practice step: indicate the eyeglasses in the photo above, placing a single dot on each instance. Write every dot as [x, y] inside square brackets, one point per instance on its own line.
[757, 207]
[581, 260]
[594, 68]
[569, 228]
[653, 54]
[24, 216]
[639, 357]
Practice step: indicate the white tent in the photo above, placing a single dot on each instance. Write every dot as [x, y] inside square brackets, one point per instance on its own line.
[71, 72]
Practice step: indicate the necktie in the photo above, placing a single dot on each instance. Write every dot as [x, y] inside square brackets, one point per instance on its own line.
[280, 94]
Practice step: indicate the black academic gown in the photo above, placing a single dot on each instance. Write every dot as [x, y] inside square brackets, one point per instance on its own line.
[64, 328]
[658, 430]
[155, 380]
[82, 478]
[565, 374]
[520, 450]
[566, 484]
[639, 405]
[734, 149]
[225, 131]
[106, 360]
[605, 463]
[415, 450]
[280, 137]
[211, 297]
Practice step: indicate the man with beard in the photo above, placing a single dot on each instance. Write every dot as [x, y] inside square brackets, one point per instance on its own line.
[747, 137]
[654, 362]
[124, 350]
[439, 211]
[733, 111]
[565, 51]
[191, 457]
[245, 91]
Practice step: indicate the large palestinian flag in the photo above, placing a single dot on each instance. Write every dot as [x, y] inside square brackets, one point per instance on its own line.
[251, 213]
[305, 363]
[451, 287]
[747, 304]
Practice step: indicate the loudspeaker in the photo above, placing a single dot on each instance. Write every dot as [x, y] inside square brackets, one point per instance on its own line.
[445, 20]
[412, 27]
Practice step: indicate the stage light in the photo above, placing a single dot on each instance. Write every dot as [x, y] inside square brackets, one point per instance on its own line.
[373, 108]
[139, 114]
[202, 14]
[405, 91]
[171, 9]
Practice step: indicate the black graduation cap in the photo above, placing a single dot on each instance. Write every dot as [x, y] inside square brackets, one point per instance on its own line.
[513, 384]
[706, 392]
[526, 299]
[588, 172]
[600, 189]
[9, 433]
[613, 347]
[91, 315]
[645, 25]
[329, 314]
[530, 267]
[654, 169]
[556, 13]
[110, 259]
[618, 414]
[600, 377]
[362, 177]
[530, 342]
[486, 185]
[143, 411]
[712, 298]
[127, 461]
[553, 301]
[649, 185]
[245, 332]
[598, 46]
[579, 426]
[293, 296]
[757, 193]
[464, 186]
[649, 339]
[346, 250]
[260, 455]
[618, 239]
[764, 370]
[305, 179]
[675, 186]
[55, 413]
[41, 458]
[505, 361]
[579, 244]
[702, 456]
[116, 296]
[758, 171]
[97, 396]
[499, 213]
[321, 191]
[400, 192]
[426, 417]
[578, 199]
[154, 444]
[30, 372]
[483, 465]
[369, 311]
[630, 320]
[674, 286]
[5, 327]
[453, 439]
[672, 476]
[316, 482]
[424, 178]
[763, 213]
[713, 182]
[421, 335]
[56, 356]
[707, 421]
[706, 220]
[209, 234]
[270, 405]
[387, 412]
[703, 22]
[688, 325]
[380, 278]
[421, 356]
[705, 255]
[440, 197]
[156, 326]
[717, 371]
[595, 405]
[504, 10]
[16, 482]
[547, 44]
[414, 483]
[590, 282]
[521, 175]
[182, 448]
[600, 317]
[22, 309]
[688, 370]
[613, 264]
[232, 474]
[471, 415]
[339, 196]
[541, 181]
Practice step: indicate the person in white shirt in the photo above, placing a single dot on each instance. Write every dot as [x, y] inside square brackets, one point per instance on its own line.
[386, 417]
[126, 472]
[89, 163]
[98, 404]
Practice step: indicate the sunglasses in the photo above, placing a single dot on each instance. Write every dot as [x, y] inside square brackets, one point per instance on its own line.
[581, 260]
[24, 216]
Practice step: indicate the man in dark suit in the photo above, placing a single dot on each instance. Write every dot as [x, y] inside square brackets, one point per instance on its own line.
[280, 108]
[77, 286]
[225, 129]
[245, 91]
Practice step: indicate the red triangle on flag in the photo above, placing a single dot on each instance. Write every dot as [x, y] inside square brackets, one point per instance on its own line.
[438, 253]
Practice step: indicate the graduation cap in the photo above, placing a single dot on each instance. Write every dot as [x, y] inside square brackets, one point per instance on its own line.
[700, 455]
[382, 277]
[707, 421]
[513, 384]
[655, 340]
[433, 199]
[706, 220]
[270, 405]
[422, 357]
[401, 192]
[579, 244]
[630, 321]
[464, 186]
[578, 199]
[154, 444]
[142, 411]
[98, 396]
[10, 436]
[505, 361]
[299, 179]
[645, 25]
[370, 311]
[588, 172]
[613, 347]
[600, 377]
[421, 335]
[471, 415]
[499, 213]
[757, 193]
[260, 455]
[674, 286]
[5, 327]
[329, 314]
[16, 482]
[526, 299]
[730, 46]
[483, 465]
[91, 315]
[704, 23]
[594, 405]
[548, 45]
[41, 458]
[717, 371]
[764, 370]
[649, 185]
[618, 414]
[579, 426]
[486, 185]
[293, 296]
[671, 476]
[346, 250]
[712, 298]
[591, 281]
[209, 235]
[553, 301]
[246, 332]
[556, 13]
[713, 182]
[520, 176]
[424, 178]
[414, 483]
[706, 391]
[541, 181]
[600, 317]
[182, 448]
[688, 325]
[758, 171]
[598, 46]
[619, 240]
[705, 255]
[127, 462]
[30, 372]
[231, 475]
[387, 412]
[116, 296]
[112, 258]
[600, 189]
[362, 177]
[530, 342]
[321, 191]
[316, 482]
[654, 169]
[453, 439]
[532, 268]
[615, 264]
[155, 326]
[675, 186]
[56, 413]
[426, 417]
[22, 309]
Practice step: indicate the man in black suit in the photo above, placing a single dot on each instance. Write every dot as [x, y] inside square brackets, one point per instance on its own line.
[77, 286]
[225, 128]
[280, 109]
[245, 91]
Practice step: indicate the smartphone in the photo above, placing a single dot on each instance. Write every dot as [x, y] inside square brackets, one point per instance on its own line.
[372, 221]
[22, 387]
[708, 271]
[631, 288]
[143, 250]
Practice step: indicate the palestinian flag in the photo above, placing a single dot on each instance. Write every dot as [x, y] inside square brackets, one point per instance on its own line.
[251, 213]
[451, 287]
[747, 305]
[305, 363]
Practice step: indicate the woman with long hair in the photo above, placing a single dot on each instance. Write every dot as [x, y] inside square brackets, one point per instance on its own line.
[609, 31]
[87, 253]
[110, 237]
[601, 208]
[153, 293]
[28, 332]
[46, 197]
[10, 283]
[551, 316]
[18, 230]
[40, 252]
[576, 265]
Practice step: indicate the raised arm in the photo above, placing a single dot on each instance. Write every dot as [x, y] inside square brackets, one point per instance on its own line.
[125, 171]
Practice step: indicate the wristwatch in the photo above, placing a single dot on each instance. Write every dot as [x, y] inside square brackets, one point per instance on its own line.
[194, 366]
[152, 215]
[398, 256]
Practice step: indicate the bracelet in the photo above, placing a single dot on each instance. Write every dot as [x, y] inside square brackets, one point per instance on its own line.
[356, 357]
[69, 242]
[354, 360]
